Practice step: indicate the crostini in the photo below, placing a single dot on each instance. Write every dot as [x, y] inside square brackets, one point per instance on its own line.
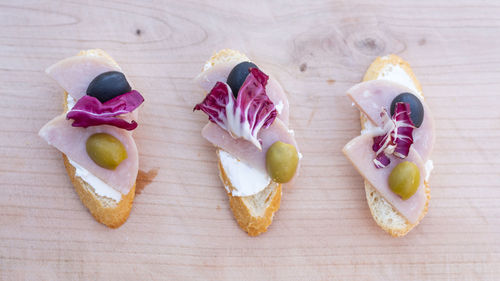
[94, 133]
[394, 148]
[248, 124]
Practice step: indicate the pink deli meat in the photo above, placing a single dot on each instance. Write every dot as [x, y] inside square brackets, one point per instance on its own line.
[72, 141]
[245, 150]
[359, 152]
[74, 74]
[219, 72]
[370, 97]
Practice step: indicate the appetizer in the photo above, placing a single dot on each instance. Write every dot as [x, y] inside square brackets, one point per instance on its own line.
[248, 116]
[94, 133]
[393, 151]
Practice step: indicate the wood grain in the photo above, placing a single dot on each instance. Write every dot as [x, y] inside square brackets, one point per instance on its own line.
[181, 226]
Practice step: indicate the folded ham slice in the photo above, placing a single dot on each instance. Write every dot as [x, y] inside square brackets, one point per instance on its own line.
[370, 97]
[277, 95]
[359, 152]
[219, 72]
[72, 141]
[245, 150]
[74, 74]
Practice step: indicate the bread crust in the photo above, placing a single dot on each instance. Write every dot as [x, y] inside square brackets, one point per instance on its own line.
[251, 223]
[372, 195]
[105, 210]
[225, 55]
[379, 63]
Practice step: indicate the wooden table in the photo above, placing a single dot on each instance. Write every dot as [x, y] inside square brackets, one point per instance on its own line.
[181, 226]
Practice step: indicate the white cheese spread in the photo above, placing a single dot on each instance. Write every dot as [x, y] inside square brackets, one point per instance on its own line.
[371, 129]
[100, 187]
[70, 101]
[429, 166]
[396, 73]
[279, 107]
[244, 179]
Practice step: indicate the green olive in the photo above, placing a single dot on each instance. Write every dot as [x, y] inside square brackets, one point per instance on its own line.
[404, 179]
[281, 161]
[106, 150]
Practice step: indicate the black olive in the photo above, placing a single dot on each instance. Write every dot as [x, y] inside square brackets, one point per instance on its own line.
[108, 85]
[238, 75]
[416, 107]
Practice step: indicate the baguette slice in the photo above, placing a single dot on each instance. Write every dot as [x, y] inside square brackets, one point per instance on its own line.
[388, 218]
[253, 213]
[105, 210]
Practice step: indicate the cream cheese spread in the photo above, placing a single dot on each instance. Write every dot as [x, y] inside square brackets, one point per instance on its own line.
[429, 166]
[396, 73]
[279, 107]
[70, 101]
[100, 187]
[244, 179]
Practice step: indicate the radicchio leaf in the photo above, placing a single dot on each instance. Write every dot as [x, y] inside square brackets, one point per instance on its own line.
[215, 103]
[89, 111]
[381, 161]
[245, 116]
[403, 134]
[398, 135]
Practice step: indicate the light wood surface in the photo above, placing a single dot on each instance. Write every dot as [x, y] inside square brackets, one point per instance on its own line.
[181, 227]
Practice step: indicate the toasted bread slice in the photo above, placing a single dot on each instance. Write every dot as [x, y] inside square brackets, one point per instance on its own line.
[253, 213]
[388, 218]
[105, 210]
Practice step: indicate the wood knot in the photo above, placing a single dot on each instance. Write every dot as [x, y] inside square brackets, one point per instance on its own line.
[303, 67]
[370, 46]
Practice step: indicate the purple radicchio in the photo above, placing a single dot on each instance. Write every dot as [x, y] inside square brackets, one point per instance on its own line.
[244, 116]
[89, 111]
[398, 135]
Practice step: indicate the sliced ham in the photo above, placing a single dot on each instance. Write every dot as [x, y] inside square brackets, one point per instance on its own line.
[71, 141]
[219, 72]
[245, 150]
[359, 152]
[277, 95]
[74, 74]
[370, 97]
